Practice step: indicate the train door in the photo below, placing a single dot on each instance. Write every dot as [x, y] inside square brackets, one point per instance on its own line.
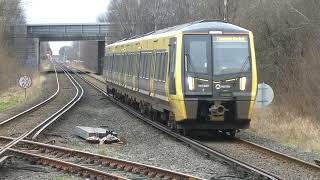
[152, 73]
[161, 62]
[172, 64]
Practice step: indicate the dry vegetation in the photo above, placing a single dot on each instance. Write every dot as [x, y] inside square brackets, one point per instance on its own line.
[287, 43]
[287, 127]
[11, 68]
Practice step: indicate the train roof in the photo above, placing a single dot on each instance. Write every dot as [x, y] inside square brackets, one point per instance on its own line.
[204, 26]
[197, 26]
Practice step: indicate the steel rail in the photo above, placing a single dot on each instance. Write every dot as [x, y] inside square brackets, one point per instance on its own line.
[191, 142]
[3, 149]
[41, 127]
[12, 143]
[282, 155]
[125, 165]
[67, 166]
[37, 105]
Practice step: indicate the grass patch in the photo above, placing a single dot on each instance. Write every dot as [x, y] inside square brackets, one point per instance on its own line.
[103, 151]
[15, 96]
[63, 177]
[288, 128]
[11, 102]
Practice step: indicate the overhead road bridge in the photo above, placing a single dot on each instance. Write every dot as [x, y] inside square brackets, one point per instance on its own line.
[27, 38]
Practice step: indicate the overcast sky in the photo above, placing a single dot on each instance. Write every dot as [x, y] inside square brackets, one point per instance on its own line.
[63, 11]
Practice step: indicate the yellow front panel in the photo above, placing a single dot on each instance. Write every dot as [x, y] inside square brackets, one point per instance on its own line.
[254, 76]
[177, 101]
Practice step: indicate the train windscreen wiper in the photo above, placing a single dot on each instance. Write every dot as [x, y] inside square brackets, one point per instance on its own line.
[244, 64]
[189, 63]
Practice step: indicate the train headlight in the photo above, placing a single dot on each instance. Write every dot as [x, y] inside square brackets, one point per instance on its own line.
[243, 82]
[191, 83]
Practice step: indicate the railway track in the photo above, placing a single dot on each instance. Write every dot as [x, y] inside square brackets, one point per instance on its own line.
[84, 164]
[240, 165]
[87, 164]
[38, 127]
[281, 155]
[280, 164]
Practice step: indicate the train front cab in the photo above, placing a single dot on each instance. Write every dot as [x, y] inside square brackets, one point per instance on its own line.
[218, 81]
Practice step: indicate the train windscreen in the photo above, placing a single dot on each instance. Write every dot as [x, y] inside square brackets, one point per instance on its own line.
[230, 54]
[197, 53]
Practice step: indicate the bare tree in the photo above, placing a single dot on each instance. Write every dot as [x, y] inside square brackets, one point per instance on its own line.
[286, 35]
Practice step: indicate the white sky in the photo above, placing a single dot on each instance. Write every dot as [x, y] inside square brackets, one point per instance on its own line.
[63, 11]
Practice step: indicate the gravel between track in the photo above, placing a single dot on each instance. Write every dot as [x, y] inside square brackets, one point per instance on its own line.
[295, 152]
[264, 160]
[20, 170]
[144, 143]
[18, 126]
[47, 80]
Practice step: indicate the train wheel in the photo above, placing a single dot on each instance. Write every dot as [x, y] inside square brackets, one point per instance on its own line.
[185, 132]
[232, 132]
[172, 125]
[171, 122]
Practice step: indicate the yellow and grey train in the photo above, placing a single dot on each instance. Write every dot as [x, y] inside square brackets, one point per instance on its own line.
[196, 76]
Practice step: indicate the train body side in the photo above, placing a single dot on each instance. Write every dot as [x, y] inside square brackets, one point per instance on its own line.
[150, 73]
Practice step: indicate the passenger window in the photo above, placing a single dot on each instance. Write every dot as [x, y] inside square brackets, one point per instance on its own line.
[141, 68]
[111, 63]
[161, 67]
[156, 74]
[130, 65]
[165, 59]
[120, 63]
[137, 73]
[123, 64]
[107, 63]
[115, 63]
[149, 60]
[145, 66]
[127, 65]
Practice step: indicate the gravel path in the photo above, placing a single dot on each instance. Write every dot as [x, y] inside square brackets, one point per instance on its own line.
[272, 144]
[18, 126]
[143, 143]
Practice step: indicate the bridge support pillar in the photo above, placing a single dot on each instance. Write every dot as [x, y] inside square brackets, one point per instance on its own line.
[27, 50]
[101, 52]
